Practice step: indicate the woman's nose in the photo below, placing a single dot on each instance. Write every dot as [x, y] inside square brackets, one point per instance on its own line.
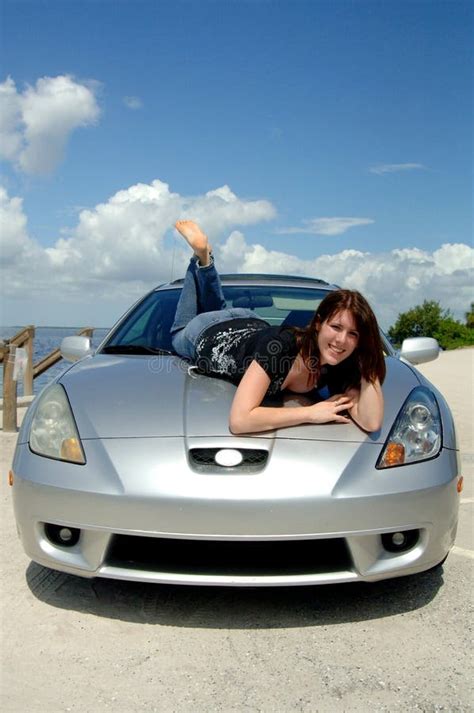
[342, 339]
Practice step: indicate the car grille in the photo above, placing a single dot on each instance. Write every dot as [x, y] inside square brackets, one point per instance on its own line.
[230, 557]
[204, 459]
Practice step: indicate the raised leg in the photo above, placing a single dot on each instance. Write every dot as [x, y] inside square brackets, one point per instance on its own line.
[202, 291]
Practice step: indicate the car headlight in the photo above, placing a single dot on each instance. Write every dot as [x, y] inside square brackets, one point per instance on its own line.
[53, 432]
[416, 434]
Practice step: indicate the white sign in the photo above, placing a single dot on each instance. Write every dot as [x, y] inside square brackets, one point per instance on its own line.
[19, 366]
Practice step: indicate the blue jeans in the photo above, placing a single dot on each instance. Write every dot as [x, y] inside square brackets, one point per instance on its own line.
[201, 304]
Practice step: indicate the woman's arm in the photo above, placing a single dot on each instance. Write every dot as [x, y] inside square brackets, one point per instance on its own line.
[367, 408]
[248, 416]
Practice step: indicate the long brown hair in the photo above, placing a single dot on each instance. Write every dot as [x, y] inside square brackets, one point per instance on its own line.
[367, 360]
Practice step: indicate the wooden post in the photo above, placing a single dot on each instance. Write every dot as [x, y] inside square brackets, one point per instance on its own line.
[28, 375]
[9, 391]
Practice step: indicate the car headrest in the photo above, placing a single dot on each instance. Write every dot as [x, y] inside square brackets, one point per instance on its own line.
[298, 318]
[252, 301]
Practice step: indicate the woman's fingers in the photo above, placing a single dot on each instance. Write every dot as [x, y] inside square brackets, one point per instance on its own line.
[326, 411]
[341, 419]
[343, 402]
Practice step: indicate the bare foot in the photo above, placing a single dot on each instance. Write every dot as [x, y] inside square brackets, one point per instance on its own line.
[195, 238]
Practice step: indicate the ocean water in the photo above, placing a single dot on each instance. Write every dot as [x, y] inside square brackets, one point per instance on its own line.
[46, 340]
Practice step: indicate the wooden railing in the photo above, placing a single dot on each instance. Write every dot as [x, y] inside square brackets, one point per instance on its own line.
[25, 339]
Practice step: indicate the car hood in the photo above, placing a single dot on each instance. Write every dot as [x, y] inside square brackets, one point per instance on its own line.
[139, 396]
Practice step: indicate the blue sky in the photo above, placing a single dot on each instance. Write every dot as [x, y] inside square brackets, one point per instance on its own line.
[338, 127]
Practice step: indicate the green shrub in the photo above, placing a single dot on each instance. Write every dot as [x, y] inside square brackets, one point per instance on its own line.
[430, 320]
[470, 317]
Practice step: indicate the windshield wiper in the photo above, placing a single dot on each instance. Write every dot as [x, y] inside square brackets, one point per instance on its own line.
[133, 349]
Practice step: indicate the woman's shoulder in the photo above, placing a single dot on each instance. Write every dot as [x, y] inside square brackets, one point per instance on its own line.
[277, 339]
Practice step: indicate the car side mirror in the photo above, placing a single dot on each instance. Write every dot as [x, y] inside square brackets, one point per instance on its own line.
[419, 350]
[75, 348]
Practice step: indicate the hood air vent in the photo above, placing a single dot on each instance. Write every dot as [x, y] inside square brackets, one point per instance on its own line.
[204, 460]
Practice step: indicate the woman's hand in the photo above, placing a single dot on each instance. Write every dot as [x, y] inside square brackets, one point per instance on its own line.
[331, 410]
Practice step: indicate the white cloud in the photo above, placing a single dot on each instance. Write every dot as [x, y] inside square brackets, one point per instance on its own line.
[37, 122]
[221, 209]
[15, 246]
[121, 248]
[325, 226]
[395, 168]
[10, 118]
[133, 103]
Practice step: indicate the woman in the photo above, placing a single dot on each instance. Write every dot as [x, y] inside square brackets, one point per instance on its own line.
[341, 348]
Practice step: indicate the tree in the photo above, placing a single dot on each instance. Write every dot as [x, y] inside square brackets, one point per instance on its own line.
[470, 317]
[420, 321]
[430, 320]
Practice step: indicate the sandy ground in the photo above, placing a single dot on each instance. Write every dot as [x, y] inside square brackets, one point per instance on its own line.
[72, 644]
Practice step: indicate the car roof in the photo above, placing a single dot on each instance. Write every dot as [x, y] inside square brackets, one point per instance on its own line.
[248, 278]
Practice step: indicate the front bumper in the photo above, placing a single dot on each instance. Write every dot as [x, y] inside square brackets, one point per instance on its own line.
[190, 524]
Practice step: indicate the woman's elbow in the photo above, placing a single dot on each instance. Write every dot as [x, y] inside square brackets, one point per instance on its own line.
[370, 424]
[374, 426]
[237, 425]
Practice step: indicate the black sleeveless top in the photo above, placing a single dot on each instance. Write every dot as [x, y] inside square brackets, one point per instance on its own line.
[228, 348]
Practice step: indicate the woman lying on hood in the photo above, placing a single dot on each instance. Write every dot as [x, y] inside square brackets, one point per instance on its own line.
[340, 346]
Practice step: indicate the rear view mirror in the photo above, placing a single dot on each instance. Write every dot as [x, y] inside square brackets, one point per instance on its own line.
[419, 350]
[75, 347]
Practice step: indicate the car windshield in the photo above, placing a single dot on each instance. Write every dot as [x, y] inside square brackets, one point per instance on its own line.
[146, 328]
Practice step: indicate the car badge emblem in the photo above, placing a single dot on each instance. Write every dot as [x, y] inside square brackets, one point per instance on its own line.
[228, 457]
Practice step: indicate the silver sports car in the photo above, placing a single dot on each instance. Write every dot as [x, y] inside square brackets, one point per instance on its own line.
[125, 466]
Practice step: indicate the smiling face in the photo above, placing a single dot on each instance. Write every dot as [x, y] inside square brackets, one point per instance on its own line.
[337, 337]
